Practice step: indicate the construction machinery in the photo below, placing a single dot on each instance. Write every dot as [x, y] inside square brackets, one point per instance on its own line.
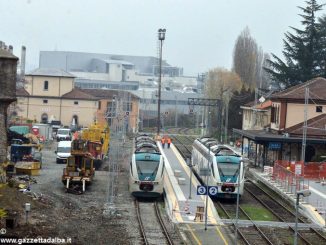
[98, 140]
[79, 171]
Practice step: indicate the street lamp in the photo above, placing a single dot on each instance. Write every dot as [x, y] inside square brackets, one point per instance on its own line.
[161, 38]
[238, 198]
[304, 193]
[189, 163]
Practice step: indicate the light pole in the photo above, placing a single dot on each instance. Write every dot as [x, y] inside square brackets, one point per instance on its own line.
[304, 193]
[161, 38]
[189, 163]
[237, 209]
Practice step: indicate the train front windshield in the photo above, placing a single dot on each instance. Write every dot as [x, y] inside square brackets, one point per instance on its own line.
[147, 167]
[227, 169]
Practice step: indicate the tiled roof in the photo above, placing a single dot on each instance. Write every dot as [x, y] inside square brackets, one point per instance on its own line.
[77, 93]
[316, 128]
[49, 72]
[21, 92]
[107, 94]
[317, 90]
[264, 105]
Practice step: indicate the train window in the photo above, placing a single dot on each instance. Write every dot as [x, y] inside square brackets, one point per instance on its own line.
[147, 167]
[163, 168]
[131, 168]
[227, 169]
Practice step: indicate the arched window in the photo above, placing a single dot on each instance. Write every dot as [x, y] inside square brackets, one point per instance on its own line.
[46, 85]
[44, 118]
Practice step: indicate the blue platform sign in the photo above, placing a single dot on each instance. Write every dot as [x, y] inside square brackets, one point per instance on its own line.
[212, 190]
[274, 145]
[201, 190]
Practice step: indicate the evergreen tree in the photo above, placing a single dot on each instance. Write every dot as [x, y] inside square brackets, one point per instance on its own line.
[302, 50]
[322, 43]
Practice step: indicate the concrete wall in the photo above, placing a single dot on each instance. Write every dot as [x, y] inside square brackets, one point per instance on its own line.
[57, 86]
[85, 111]
[294, 114]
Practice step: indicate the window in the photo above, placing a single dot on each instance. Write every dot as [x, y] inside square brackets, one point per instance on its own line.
[46, 86]
[75, 102]
[273, 115]
[45, 101]
[99, 105]
[319, 108]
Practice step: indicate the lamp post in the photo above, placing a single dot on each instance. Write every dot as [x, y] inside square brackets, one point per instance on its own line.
[189, 163]
[304, 193]
[237, 208]
[161, 38]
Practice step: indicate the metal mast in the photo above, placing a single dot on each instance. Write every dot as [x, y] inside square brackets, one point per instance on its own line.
[304, 129]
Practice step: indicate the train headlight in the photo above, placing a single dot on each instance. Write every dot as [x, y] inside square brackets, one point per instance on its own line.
[155, 183]
[219, 184]
[137, 182]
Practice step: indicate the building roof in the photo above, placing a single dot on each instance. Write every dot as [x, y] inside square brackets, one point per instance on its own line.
[121, 62]
[21, 92]
[259, 106]
[317, 91]
[107, 94]
[50, 72]
[6, 54]
[264, 136]
[315, 128]
[77, 93]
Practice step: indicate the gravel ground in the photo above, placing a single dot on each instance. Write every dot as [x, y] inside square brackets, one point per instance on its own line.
[104, 214]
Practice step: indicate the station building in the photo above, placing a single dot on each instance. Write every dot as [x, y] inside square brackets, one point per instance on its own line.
[280, 139]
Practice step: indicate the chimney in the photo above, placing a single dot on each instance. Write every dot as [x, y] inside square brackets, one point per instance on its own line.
[11, 49]
[22, 62]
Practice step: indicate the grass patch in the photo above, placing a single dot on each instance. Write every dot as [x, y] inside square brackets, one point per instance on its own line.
[3, 213]
[258, 213]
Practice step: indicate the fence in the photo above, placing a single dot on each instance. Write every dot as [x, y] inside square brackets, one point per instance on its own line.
[287, 176]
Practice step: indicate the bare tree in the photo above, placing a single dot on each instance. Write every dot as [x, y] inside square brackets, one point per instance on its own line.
[220, 84]
[246, 58]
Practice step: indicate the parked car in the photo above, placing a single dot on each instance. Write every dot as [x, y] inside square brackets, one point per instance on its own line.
[64, 134]
[63, 151]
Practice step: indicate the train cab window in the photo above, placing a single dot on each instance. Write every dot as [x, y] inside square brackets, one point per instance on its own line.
[228, 169]
[147, 167]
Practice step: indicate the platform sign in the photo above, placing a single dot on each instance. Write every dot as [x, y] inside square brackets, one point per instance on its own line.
[201, 190]
[204, 171]
[298, 169]
[212, 190]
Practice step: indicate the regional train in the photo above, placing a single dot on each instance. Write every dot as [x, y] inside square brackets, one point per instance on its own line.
[220, 166]
[146, 169]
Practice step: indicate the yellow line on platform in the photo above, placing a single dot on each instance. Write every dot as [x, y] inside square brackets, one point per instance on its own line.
[193, 235]
[221, 235]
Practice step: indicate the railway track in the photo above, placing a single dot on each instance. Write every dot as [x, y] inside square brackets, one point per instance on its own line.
[310, 236]
[183, 146]
[250, 234]
[153, 231]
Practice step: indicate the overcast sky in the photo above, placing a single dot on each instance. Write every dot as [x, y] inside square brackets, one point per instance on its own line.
[200, 33]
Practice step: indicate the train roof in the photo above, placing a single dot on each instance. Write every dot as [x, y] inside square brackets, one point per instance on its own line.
[216, 148]
[143, 139]
[148, 147]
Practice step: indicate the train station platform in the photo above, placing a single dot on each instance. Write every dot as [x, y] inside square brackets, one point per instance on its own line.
[185, 207]
[313, 206]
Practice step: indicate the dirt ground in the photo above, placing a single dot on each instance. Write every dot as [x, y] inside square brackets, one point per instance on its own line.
[86, 219]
